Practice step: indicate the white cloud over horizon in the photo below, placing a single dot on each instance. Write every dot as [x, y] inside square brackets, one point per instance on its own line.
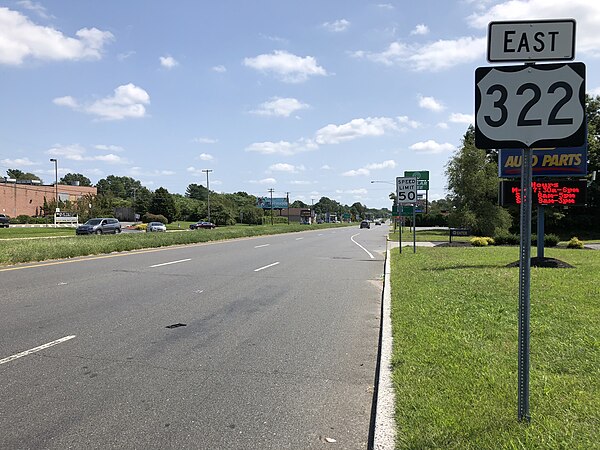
[286, 66]
[168, 62]
[280, 107]
[432, 147]
[337, 26]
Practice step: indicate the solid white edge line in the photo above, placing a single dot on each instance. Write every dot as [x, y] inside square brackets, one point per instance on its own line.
[36, 349]
[368, 252]
[266, 267]
[260, 246]
[299, 239]
[384, 436]
[172, 262]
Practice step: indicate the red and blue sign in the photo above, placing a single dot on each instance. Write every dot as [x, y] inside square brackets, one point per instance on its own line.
[547, 162]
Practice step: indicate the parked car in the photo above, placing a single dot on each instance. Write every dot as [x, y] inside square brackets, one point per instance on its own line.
[365, 224]
[156, 226]
[4, 220]
[202, 224]
[101, 225]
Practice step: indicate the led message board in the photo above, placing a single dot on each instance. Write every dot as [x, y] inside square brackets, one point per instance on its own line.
[546, 193]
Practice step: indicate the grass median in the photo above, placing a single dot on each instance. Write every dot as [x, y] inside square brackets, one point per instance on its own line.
[21, 251]
[454, 315]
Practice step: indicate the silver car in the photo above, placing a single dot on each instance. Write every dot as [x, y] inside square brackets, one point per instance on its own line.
[100, 225]
[156, 226]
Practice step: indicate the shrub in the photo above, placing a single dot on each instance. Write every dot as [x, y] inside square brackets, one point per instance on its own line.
[23, 218]
[479, 242]
[148, 217]
[551, 240]
[489, 240]
[575, 243]
[141, 226]
[506, 239]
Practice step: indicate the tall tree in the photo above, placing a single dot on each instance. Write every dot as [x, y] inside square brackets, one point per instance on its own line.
[196, 191]
[163, 203]
[72, 177]
[473, 185]
[122, 187]
[20, 175]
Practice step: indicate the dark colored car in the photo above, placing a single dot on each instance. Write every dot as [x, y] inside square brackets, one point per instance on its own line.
[365, 224]
[3, 220]
[102, 225]
[202, 224]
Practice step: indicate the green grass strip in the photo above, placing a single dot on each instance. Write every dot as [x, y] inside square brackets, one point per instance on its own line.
[455, 322]
[20, 251]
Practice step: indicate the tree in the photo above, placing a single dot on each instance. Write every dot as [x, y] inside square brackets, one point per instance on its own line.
[122, 187]
[20, 175]
[72, 177]
[196, 191]
[473, 186]
[163, 203]
[298, 204]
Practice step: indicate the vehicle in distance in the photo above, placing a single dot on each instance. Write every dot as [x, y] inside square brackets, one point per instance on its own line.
[365, 224]
[3, 221]
[100, 225]
[202, 224]
[378, 222]
[156, 226]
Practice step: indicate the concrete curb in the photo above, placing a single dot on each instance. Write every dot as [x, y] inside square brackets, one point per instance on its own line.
[385, 424]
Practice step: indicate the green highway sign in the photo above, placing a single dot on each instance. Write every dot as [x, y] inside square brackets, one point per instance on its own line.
[422, 177]
[406, 210]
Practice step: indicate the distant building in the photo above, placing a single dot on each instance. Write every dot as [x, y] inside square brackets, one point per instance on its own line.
[27, 197]
[297, 215]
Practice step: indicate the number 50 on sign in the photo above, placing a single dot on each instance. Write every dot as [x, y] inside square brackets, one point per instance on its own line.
[406, 190]
[530, 106]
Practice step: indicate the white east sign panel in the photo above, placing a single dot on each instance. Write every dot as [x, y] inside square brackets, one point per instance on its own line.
[530, 106]
[530, 41]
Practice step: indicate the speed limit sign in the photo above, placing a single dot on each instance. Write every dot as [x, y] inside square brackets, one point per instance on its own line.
[530, 106]
[406, 190]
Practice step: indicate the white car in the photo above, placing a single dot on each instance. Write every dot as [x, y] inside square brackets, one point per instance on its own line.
[156, 226]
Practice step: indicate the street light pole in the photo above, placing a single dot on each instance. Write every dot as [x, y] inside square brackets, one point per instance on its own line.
[271, 191]
[55, 161]
[207, 191]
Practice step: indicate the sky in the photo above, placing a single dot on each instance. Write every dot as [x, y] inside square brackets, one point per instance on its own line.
[308, 97]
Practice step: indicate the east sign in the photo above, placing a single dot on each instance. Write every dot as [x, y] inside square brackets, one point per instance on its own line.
[529, 41]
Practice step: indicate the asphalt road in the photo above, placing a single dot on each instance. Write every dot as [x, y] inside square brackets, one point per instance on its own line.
[278, 349]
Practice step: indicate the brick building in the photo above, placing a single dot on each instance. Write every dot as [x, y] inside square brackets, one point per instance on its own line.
[26, 198]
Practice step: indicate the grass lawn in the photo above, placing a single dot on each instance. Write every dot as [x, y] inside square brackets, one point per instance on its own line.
[454, 315]
[26, 232]
[27, 250]
[427, 236]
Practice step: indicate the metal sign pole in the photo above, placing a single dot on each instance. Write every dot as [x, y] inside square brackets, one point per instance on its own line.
[524, 286]
[414, 228]
[400, 227]
[540, 231]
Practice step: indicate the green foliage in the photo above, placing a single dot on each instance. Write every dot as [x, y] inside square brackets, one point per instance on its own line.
[148, 217]
[551, 240]
[163, 203]
[196, 192]
[507, 239]
[251, 215]
[20, 175]
[72, 177]
[575, 243]
[221, 215]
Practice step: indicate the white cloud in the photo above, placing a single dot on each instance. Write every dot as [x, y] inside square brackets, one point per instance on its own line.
[356, 173]
[443, 125]
[110, 148]
[366, 170]
[125, 55]
[361, 191]
[219, 69]
[462, 118]
[404, 120]
[21, 39]
[587, 13]
[205, 140]
[288, 67]
[66, 101]
[385, 6]
[127, 102]
[337, 26]
[325, 167]
[206, 157]
[356, 128]
[269, 181]
[37, 8]
[431, 104]
[431, 146]
[302, 182]
[282, 147]
[432, 57]
[18, 162]
[420, 29]
[281, 107]
[139, 172]
[168, 62]
[76, 152]
[285, 167]
[595, 92]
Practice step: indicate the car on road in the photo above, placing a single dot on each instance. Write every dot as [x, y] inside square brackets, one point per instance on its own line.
[378, 222]
[99, 225]
[155, 226]
[202, 224]
[4, 220]
[365, 224]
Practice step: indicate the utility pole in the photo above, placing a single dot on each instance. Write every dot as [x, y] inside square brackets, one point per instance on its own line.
[134, 189]
[287, 196]
[271, 191]
[207, 191]
[54, 160]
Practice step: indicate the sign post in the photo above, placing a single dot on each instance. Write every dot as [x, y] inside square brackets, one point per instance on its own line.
[524, 107]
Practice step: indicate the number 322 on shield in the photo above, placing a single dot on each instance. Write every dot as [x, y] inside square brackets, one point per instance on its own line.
[530, 106]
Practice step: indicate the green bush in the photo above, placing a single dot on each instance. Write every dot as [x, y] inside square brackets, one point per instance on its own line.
[507, 239]
[148, 217]
[23, 218]
[575, 243]
[479, 242]
[551, 240]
